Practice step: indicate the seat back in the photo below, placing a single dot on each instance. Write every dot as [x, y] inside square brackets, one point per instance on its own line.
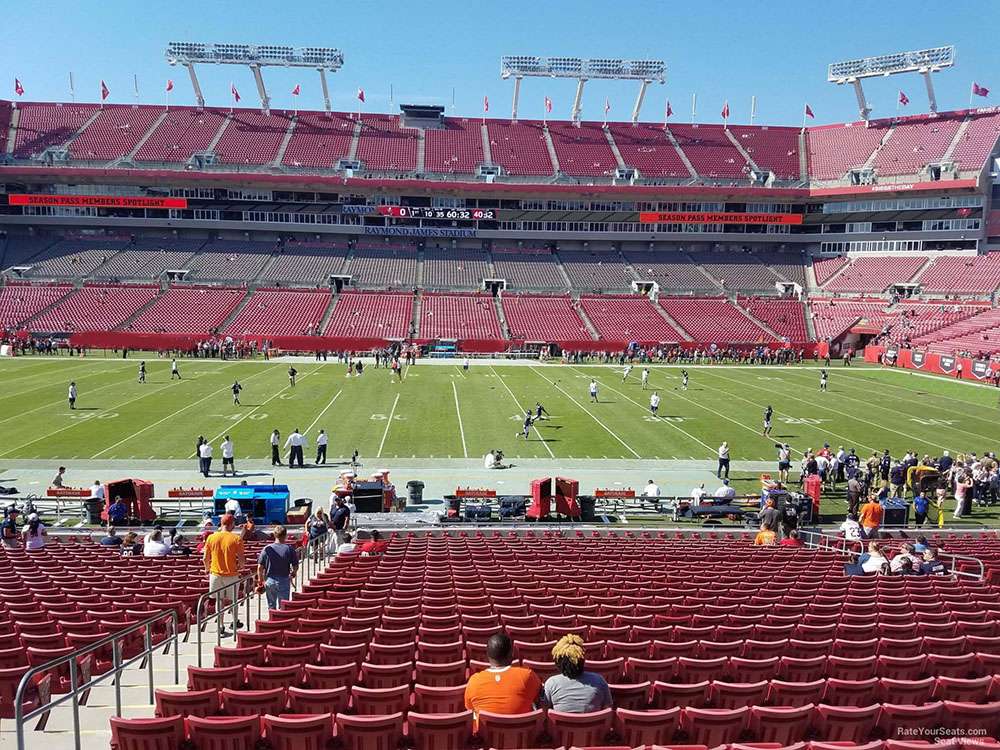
[187, 703]
[580, 730]
[318, 701]
[652, 727]
[370, 732]
[147, 734]
[250, 702]
[503, 732]
[430, 699]
[299, 732]
[451, 731]
[224, 732]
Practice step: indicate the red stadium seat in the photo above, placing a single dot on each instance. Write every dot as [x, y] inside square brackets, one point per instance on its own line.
[370, 732]
[187, 703]
[440, 731]
[580, 729]
[850, 692]
[714, 726]
[203, 678]
[633, 696]
[737, 694]
[376, 701]
[147, 734]
[671, 695]
[901, 721]
[784, 725]
[299, 732]
[652, 727]
[224, 732]
[265, 678]
[845, 723]
[251, 702]
[438, 700]
[318, 701]
[914, 692]
[504, 732]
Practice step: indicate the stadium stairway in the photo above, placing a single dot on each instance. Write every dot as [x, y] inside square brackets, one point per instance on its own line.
[614, 148]
[743, 152]
[278, 157]
[667, 317]
[321, 326]
[586, 321]
[503, 318]
[803, 156]
[959, 137]
[421, 150]
[680, 153]
[128, 321]
[15, 118]
[562, 268]
[25, 323]
[878, 149]
[833, 276]
[236, 311]
[130, 156]
[756, 321]
[552, 150]
[218, 135]
[416, 312]
[352, 152]
[487, 148]
[79, 131]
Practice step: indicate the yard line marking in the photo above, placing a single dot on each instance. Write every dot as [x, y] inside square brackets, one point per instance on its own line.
[72, 368]
[518, 405]
[818, 405]
[464, 377]
[80, 421]
[250, 413]
[57, 403]
[174, 414]
[710, 449]
[587, 411]
[320, 415]
[388, 422]
[458, 410]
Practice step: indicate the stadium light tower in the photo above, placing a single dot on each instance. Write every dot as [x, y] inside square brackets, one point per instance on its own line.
[644, 71]
[923, 61]
[256, 56]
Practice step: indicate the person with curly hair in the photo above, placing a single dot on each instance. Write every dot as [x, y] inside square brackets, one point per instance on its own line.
[574, 690]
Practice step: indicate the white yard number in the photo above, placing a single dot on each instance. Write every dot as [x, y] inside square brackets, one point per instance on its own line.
[383, 417]
[651, 418]
[934, 422]
[802, 420]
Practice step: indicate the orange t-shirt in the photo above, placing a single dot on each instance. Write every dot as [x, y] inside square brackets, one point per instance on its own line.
[871, 515]
[223, 550]
[503, 690]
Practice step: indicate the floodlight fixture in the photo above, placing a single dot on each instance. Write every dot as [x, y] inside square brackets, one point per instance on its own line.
[255, 56]
[923, 61]
[582, 69]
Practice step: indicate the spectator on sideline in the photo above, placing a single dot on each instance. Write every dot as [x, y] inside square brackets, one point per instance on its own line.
[374, 546]
[725, 493]
[698, 494]
[920, 545]
[765, 537]
[33, 534]
[502, 688]
[117, 511]
[97, 491]
[111, 538]
[854, 492]
[723, 460]
[228, 456]
[130, 545]
[276, 448]
[963, 486]
[920, 507]
[178, 545]
[574, 690]
[319, 524]
[651, 490]
[155, 546]
[224, 557]
[870, 517]
[347, 546]
[792, 540]
[205, 457]
[276, 567]
[295, 443]
[340, 519]
[57, 480]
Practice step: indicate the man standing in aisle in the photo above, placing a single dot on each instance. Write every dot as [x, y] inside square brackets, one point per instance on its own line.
[276, 568]
[224, 559]
[294, 444]
[228, 458]
[321, 442]
[340, 519]
[205, 457]
[276, 448]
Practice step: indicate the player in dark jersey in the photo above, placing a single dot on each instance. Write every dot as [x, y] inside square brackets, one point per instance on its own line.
[526, 426]
[768, 413]
[236, 392]
[684, 380]
[823, 377]
[292, 372]
[142, 372]
[540, 410]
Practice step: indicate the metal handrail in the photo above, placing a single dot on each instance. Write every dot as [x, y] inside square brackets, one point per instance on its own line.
[248, 586]
[313, 557]
[819, 540]
[20, 718]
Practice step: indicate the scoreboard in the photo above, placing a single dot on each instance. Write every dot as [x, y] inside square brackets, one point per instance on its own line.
[445, 214]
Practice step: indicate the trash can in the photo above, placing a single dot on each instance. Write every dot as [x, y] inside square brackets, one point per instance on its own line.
[588, 506]
[94, 507]
[415, 490]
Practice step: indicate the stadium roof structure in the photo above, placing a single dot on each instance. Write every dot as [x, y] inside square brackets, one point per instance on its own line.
[255, 56]
[582, 69]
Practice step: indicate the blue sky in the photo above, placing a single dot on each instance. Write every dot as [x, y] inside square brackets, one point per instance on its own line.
[777, 50]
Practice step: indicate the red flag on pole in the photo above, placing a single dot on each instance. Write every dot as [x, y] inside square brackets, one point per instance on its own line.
[297, 90]
[809, 112]
[486, 104]
[234, 92]
[903, 99]
[725, 111]
[170, 85]
[548, 104]
[361, 95]
[18, 88]
[978, 90]
[105, 92]
[669, 110]
[607, 105]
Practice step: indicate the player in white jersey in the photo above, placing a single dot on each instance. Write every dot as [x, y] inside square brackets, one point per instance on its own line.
[654, 403]
[645, 377]
[593, 391]
[626, 372]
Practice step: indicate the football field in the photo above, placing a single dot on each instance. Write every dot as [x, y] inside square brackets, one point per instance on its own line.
[439, 411]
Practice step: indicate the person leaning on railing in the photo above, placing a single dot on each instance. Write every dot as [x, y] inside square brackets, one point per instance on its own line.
[224, 558]
[276, 568]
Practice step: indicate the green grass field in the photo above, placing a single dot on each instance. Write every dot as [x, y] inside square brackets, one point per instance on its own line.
[439, 411]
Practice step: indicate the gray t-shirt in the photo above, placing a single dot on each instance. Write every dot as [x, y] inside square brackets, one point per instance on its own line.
[587, 693]
[278, 560]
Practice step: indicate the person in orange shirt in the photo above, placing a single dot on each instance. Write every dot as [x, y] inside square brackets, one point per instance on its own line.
[502, 688]
[765, 537]
[223, 559]
[870, 517]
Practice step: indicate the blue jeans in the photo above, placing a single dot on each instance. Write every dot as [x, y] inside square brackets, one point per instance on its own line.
[276, 589]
